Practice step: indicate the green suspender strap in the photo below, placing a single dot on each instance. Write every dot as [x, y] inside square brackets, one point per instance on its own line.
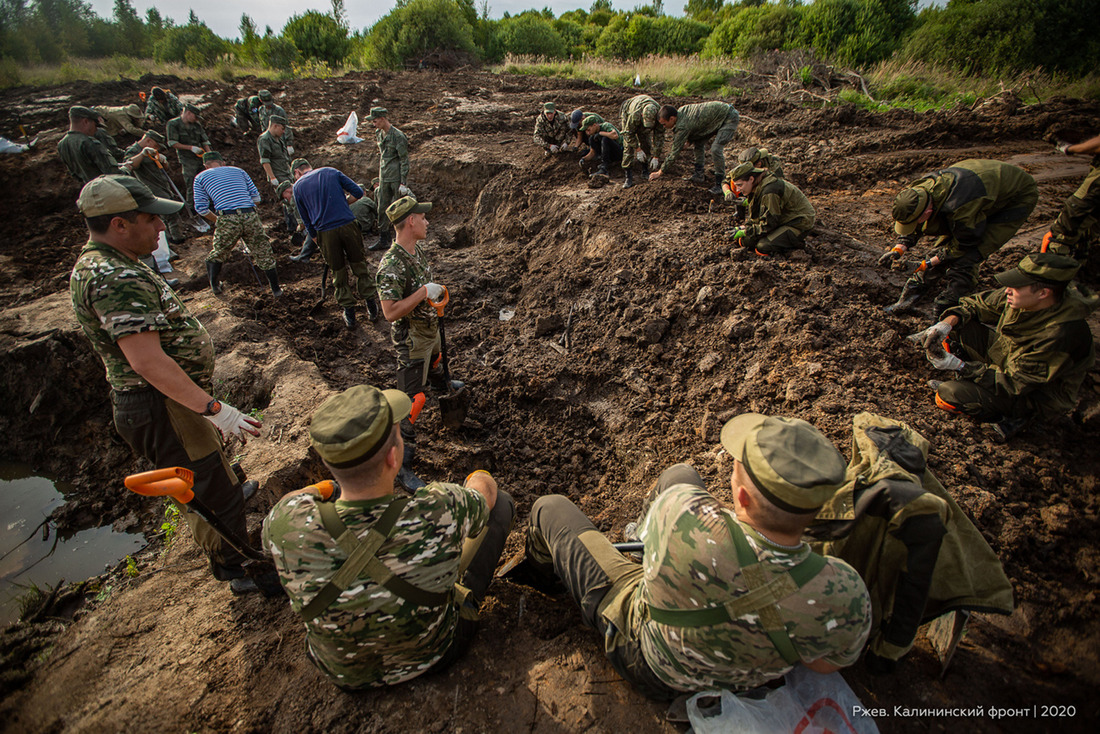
[361, 557]
[765, 591]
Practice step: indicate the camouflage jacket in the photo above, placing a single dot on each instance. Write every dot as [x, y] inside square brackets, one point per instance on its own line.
[695, 123]
[193, 134]
[774, 203]
[638, 123]
[273, 150]
[393, 156]
[118, 121]
[158, 113]
[690, 562]
[551, 132]
[366, 212]
[370, 637]
[1044, 354]
[265, 114]
[85, 157]
[149, 174]
[114, 296]
[244, 110]
[400, 274]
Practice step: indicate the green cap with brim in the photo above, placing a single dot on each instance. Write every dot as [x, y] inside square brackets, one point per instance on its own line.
[77, 112]
[376, 112]
[299, 163]
[591, 120]
[133, 110]
[265, 95]
[212, 156]
[119, 194]
[277, 119]
[156, 137]
[908, 208]
[749, 155]
[548, 107]
[744, 171]
[403, 207]
[283, 188]
[1042, 268]
[792, 463]
[351, 427]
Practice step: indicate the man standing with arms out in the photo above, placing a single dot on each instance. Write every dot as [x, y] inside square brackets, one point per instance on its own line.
[162, 107]
[1021, 352]
[229, 191]
[268, 110]
[551, 129]
[159, 360]
[778, 214]
[724, 597]
[397, 595]
[972, 208]
[83, 155]
[120, 120]
[695, 123]
[393, 171]
[322, 196]
[141, 163]
[187, 136]
[1079, 216]
[643, 136]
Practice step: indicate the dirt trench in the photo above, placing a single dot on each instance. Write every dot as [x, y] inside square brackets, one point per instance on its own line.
[637, 331]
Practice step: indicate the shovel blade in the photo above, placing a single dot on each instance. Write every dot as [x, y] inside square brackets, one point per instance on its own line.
[453, 407]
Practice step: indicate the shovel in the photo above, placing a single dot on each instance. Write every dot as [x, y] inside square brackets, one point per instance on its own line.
[455, 403]
[201, 225]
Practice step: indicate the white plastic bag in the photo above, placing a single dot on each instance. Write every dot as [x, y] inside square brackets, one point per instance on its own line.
[160, 255]
[346, 134]
[7, 146]
[808, 703]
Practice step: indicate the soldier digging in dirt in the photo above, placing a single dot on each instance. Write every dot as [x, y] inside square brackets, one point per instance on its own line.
[777, 214]
[1078, 225]
[162, 107]
[697, 123]
[269, 109]
[643, 137]
[551, 130]
[187, 136]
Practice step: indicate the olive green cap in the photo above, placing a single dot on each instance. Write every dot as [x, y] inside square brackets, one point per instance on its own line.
[376, 112]
[1042, 268]
[155, 136]
[265, 95]
[793, 465]
[406, 205]
[591, 120]
[212, 155]
[744, 171]
[119, 194]
[79, 111]
[277, 119]
[908, 208]
[749, 155]
[350, 427]
[281, 188]
[298, 163]
[548, 107]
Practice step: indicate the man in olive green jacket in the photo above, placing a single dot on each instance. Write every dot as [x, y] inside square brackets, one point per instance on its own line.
[188, 138]
[778, 214]
[697, 123]
[643, 136]
[393, 171]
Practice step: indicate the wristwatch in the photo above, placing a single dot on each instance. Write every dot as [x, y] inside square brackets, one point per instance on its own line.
[213, 407]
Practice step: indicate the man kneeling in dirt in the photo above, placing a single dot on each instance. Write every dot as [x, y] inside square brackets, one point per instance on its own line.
[778, 215]
[1021, 352]
[725, 597]
[388, 588]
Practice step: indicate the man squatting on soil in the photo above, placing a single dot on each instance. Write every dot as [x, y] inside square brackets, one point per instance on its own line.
[367, 626]
[159, 360]
[778, 215]
[643, 137]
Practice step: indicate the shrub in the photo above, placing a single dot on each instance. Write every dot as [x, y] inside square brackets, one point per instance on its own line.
[531, 34]
[318, 36]
[194, 45]
[418, 27]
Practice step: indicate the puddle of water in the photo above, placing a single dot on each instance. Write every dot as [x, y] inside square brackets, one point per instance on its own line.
[26, 500]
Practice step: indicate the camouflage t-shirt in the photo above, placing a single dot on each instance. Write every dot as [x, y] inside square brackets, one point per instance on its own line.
[114, 296]
[400, 274]
[690, 562]
[370, 637]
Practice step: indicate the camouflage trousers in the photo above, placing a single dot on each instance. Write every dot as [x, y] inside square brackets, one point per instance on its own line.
[245, 226]
[782, 239]
[718, 145]
[1078, 224]
[342, 249]
[562, 541]
[979, 398]
[168, 434]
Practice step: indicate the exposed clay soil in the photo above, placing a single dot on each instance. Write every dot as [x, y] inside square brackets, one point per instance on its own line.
[672, 332]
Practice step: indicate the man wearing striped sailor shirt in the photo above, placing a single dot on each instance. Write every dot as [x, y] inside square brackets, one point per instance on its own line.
[226, 197]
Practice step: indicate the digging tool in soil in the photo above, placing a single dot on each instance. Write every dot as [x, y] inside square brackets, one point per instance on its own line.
[453, 405]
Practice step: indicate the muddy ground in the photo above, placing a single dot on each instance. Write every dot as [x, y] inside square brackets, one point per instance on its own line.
[672, 331]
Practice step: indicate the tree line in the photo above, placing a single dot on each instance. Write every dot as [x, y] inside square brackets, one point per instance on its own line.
[968, 35]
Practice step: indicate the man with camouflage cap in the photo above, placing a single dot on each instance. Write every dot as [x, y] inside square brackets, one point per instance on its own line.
[161, 107]
[643, 137]
[275, 160]
[159, 361]
[388, 588]
[1021, 352]
[246, 114]
[972, 208]
[83, 155]
[393, 171]
[724, 597]
[119, 120]
[697, 123]
[269, 109]
[187, 136]
[551, 129]
[1078, 225]
[778, 215]
[148, 165]
[603, 144]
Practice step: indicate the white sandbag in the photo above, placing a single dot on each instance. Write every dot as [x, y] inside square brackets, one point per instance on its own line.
[346, 134]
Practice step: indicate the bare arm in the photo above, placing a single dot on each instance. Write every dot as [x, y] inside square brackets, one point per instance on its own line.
[1092, 145]
[394, 310]
[147, 358]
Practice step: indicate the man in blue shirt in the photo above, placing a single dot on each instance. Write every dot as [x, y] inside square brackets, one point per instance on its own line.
[230, 193]
[323, 196]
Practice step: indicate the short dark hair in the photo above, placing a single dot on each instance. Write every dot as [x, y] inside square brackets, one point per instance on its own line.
[100, 224]
[667, 112]
[1058, 290]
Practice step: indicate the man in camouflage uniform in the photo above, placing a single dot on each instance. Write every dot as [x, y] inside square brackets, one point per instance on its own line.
[1078, 224]
[1021, 352]
[643, 136]
[551, 129]
[410, 605]
[246, 114]
[269, 109]
[83, 155]
[275, 160]
[366, 209]
[119, 120]
[778, 215]
[161, 107]
[603, 143]
[696, 123]
[393, 171]
[159, 360]
[972, 208]
[724, 597]
[142, 159]
[187, 136]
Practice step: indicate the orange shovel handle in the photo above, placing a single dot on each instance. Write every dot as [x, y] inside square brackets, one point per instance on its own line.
[439, 305]
[175, 482]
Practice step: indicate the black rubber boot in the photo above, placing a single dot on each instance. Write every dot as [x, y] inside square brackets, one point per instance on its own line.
[698, 176]
[384, 241]
[349, 317]
[629, 178]
[372, 309]
[309, 248]
[716, 189]
[213, 270]
[273, 279]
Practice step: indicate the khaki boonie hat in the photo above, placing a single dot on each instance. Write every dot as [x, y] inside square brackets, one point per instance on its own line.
[133, 110]
[77, 112]
[265, 95]
[406, 205]
[119, 194]
[350, 427]
[793, 465]
[298, 163]
[376, 112]
[212, 155]
[281, 188]
[744, 171]
[749, 155]
[908, 208]
[1042, 268]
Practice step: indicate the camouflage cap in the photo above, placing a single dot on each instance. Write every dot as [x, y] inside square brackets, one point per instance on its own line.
[283, 188]
[265, 96]
[548, 107]
[744, 171]
[908, 208]
[350, 427]
[277, 119]
[575, 118]
[793, 465]
[376, 112]
[77, 112]
[591, 120]
[119, 194]
[1042, 268]
[299, 163]
[133, 110]
[749, 155]
[155, 136]
[212, 155]
[192, 109]
[406, 205]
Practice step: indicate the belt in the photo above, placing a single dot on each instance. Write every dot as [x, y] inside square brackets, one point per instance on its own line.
[246, 210]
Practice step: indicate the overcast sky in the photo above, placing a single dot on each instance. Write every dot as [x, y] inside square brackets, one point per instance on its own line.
[225, 18]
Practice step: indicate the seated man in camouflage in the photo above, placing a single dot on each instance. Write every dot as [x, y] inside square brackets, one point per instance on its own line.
[551, 129]
[778, 215]
[725, 597]
[388, 588]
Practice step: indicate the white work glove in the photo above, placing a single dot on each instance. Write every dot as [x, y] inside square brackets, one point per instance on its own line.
[149, 152]
[232, 422]
[196, 150]
[404, 190]
[945, 361]
[290, 149]
[640, 156]
[654, 163]
[932, 337]
[1063, 148]
[274, 182]
[555, 148]
[163, 159]
[435, 291]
